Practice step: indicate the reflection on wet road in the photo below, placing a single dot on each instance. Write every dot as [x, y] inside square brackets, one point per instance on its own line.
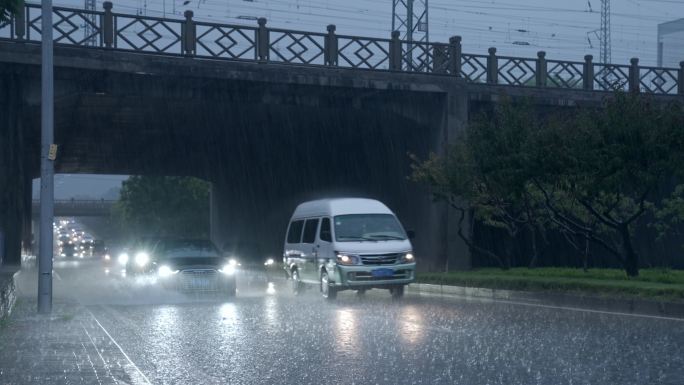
[267, 336]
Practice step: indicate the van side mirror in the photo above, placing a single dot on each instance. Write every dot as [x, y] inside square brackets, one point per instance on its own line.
[410, 234]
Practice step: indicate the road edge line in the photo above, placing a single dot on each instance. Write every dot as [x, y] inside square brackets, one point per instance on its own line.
[119, 346]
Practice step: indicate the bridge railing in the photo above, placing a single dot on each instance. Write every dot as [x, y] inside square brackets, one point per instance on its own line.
[106, 29]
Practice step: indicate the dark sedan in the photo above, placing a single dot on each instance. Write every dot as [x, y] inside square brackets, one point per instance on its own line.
[195, 265]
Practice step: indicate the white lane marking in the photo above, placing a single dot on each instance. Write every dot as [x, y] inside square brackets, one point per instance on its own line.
[54, 272]
[579, 309]
[104, 362]
[120, 349]
[90, 361]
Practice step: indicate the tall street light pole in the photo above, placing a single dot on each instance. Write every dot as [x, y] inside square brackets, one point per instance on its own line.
[47, 156]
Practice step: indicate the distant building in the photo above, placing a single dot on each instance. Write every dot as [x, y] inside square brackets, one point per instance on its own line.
[671, 43]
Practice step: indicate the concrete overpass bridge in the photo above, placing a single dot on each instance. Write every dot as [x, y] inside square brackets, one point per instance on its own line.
[270, 116]
[77, 208]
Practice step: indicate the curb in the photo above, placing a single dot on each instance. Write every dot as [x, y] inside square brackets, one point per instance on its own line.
[586, 302]
[8, 291]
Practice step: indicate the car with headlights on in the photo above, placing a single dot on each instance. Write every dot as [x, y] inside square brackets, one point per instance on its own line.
[195, 265]
[140, 257]
[69, 251]
[348, 244]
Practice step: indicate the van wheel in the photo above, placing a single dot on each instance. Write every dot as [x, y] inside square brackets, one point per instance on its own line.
[397, 292]
[297, 286]
[328, 292]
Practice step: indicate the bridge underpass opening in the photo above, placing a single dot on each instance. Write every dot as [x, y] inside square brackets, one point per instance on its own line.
[266, 139]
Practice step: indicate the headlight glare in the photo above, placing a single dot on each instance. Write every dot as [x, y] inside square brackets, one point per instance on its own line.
[345, 259]
[165, 271]
[123, 258]
[228, 269]
[409, 258]
[141, 259]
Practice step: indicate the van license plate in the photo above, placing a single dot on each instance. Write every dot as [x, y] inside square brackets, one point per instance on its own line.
[382, 273]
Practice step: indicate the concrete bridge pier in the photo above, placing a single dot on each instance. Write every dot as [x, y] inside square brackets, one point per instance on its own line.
[15, 170]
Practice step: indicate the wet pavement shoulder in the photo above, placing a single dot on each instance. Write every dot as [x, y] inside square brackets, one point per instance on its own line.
[68, 346]
[635, 306]
[8, 291]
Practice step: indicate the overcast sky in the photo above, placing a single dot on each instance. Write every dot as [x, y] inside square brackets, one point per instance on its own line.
[562, 28]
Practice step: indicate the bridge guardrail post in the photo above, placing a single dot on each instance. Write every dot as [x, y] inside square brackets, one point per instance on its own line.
[455, 55]
[331, 47]
[188, 41]
[540, 76]
[440, 58]
[588, 73]
[680, 80]
[108, 25]
[20, 21]
[263, 41]
[492, 67]
[634, 75]
[395, 52]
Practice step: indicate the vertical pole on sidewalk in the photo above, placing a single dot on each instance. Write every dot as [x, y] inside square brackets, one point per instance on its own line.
[46, 164]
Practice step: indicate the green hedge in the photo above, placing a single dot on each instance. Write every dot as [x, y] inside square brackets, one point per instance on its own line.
[662, 284]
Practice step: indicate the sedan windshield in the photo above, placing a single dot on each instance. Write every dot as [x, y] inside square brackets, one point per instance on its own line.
[367, 227]
[189, 248]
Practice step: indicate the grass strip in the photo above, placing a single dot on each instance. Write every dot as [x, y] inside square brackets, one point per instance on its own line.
[658, 284]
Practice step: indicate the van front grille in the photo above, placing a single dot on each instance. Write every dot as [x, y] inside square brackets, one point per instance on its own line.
[380, 259]
[367, 276]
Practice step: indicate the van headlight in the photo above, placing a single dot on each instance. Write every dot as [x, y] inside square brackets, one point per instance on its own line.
[408, 258]
[346, 259]
[142, 259]
[123, 258]
[165, 271]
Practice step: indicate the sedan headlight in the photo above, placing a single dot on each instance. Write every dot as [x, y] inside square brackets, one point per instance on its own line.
[165, 271]
[123, 258]
[408, 258]
[228, 269]
[346, 259]
[142, 259]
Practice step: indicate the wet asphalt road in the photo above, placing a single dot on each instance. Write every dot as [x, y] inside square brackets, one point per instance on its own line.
[267, 336]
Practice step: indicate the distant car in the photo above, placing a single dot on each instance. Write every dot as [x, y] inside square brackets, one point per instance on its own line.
[63, 240]
[195, 265]
[101, 252]
[69, 251]
[243, 252]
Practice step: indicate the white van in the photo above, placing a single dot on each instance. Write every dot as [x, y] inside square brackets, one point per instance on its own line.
[348, 244]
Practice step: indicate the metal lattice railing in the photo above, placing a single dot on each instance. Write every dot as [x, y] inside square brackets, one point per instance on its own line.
[106, 29]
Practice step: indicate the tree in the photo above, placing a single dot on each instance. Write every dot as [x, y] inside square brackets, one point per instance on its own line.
[592, 175]
[483, 171]
[9, 8]
[608, 167]
[164, 206]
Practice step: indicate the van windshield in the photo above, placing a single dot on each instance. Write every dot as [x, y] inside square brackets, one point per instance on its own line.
[367, 227]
